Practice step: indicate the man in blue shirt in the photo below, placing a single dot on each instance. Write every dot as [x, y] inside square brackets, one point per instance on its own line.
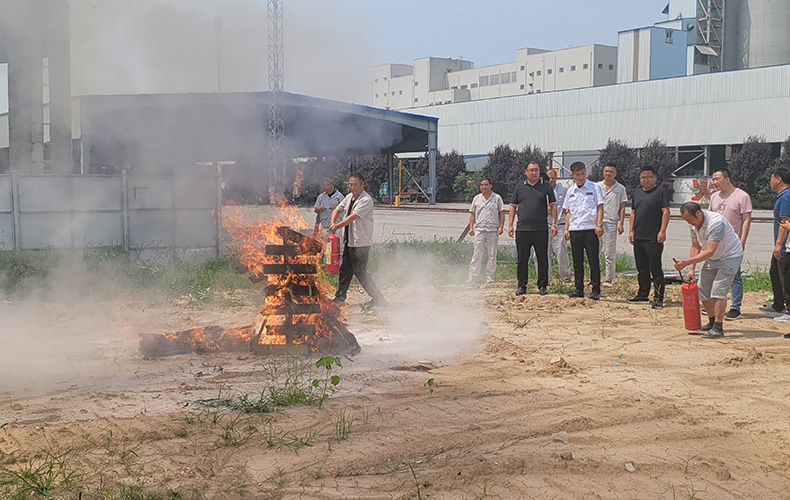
[780, 260]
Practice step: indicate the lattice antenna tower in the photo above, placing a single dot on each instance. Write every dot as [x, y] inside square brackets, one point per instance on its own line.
[277, 168]
[710, 29]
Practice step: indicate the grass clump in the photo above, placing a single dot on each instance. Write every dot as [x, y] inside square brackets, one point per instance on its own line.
[113, 272]
[292, 382]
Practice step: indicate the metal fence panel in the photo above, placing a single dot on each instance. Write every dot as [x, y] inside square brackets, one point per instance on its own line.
[5, 194]
[150, 229]
[153, 215]
[44, 193]
[6, 231]
[90, 193]
[195, 229]
[150, 193]
[43, 230]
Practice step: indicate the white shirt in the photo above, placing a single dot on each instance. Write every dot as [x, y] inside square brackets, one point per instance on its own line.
[487, 211]
[612, 198]
[559, 192]
[716, 227]
[582, 203]
[361, 230]
[329, 202]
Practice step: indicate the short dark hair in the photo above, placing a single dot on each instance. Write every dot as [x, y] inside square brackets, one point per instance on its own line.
[783, 173]
[486, 179]
[532, 162]
[647, 168]
[610, 164]
[690, 207]
[358, 176]
[544, 176]
[578, 165]
[724, 172]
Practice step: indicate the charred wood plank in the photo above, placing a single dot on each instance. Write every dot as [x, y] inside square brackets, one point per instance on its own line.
[281, 250]
[294, 308]
[283, 269]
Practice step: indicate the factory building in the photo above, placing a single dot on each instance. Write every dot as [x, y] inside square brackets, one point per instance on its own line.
[433, 81]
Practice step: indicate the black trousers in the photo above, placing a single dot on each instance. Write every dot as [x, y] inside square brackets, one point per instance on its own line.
[355, 263]
[581, 242]
[525, 242]
[780, 282]
[647, 255]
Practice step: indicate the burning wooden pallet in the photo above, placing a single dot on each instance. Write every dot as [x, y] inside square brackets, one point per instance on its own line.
[297, 314]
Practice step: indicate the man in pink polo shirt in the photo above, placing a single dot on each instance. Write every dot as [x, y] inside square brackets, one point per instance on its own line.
[736, 206]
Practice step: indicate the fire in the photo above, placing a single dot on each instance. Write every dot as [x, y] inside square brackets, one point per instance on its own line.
[296, 310]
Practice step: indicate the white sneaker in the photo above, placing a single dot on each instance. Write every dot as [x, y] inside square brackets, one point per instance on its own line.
[489, 279]
[607, 283]
[785, 318]
[470, 281]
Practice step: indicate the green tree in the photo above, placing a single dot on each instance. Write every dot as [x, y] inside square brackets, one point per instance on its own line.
[750, 169]
[448, 166]
[625, 158]
[374, 169]
[656, 154]
[505, 166]
[468, 182]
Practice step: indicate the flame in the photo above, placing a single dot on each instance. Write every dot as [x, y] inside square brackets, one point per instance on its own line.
[296, 309]
[298, 179]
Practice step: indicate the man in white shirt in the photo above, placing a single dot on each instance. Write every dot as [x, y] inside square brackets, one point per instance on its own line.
[583, 208]
[326, 202]
[713, 241]
[614, 198]
[486, 223]
[557, 244]
[356, 214]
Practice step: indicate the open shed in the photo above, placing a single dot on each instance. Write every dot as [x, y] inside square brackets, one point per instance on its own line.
[163, 133]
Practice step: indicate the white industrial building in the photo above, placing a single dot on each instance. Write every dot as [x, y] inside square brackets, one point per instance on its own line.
[710, 76]
[433, 81]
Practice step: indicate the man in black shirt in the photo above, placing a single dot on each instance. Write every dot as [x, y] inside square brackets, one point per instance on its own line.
[647, 232]
[535, 201]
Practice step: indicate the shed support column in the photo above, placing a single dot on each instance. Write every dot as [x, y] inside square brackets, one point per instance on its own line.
[390, 177]
[432, 159]
[706, 163]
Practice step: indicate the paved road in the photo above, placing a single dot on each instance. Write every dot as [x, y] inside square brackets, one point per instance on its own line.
[427, 224]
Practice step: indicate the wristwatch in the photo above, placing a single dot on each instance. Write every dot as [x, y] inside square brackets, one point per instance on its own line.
[600, 225]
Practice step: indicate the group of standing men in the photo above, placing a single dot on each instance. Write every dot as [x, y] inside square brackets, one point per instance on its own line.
[591, 215]
[588, 215]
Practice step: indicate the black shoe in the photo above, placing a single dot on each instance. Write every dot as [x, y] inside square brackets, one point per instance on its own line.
[786, 335]
[714, 333]
[733, 314]
[594, 296]
[521, 291]
[577, 294]
[657, 304]
[708, 327]
[639, 298]
[542, 290]
[339, 300]
[380, 302]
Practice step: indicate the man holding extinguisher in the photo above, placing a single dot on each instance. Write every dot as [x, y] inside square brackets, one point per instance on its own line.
[714, 242]
[356, 215]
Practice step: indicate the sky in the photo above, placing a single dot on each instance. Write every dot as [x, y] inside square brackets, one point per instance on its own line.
[150, 46]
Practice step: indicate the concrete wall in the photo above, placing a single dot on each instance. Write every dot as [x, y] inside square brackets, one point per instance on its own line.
[142, 214]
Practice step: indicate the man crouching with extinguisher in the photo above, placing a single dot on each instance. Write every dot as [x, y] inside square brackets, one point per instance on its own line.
[714, 242]
[356, 214]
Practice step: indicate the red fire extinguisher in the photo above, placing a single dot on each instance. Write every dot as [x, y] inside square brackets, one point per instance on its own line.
[332, 254]
[691, 314]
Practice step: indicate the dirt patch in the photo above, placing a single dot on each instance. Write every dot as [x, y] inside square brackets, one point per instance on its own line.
[644, 409]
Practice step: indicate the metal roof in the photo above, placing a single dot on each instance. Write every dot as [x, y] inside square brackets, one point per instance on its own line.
[222, 124]
[718, 108]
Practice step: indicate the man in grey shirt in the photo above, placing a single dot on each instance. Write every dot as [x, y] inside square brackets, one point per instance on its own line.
[326, 202]
[714, 242]
[614, 198]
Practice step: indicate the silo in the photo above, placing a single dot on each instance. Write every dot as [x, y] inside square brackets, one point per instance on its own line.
[756, 34]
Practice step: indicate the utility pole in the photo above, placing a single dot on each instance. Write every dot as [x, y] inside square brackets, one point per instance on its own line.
[218, 29]
[277, 168]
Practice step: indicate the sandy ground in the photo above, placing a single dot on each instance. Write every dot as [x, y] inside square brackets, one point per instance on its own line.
[535, 397]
